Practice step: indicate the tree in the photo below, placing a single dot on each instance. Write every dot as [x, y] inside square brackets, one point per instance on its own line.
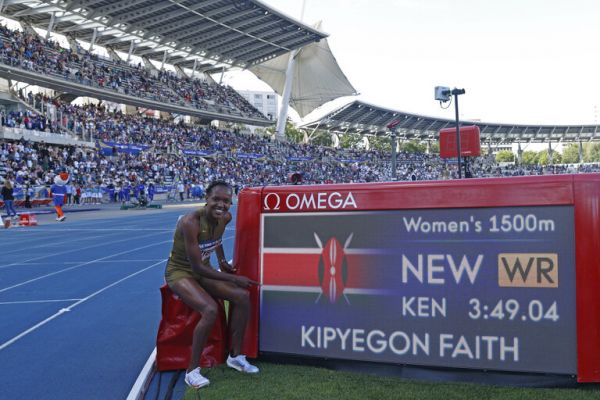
[293, 134]
[592, 152]
[435, 148]
[350, 140]
[570, 154]
[505, 156]
[529, 158]
[413, 146]
[543, 158]
[381, 143]
[322, 138]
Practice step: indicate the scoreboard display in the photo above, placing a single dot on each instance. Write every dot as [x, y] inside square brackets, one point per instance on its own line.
[485, 274]
[489, 288]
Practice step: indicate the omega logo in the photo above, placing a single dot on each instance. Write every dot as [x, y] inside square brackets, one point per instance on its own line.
[309, 201]
[277, 201]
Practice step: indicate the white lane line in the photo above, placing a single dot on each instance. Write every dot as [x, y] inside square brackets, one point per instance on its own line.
[80, 265]
[60, 241]
[36, 301]
[103, 229]
[78, 249]
[41, 263]
[113, 261]
[139, 388]
[81, 261]
[72, 306]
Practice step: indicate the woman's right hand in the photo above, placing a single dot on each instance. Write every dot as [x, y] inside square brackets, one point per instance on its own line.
[243, 281]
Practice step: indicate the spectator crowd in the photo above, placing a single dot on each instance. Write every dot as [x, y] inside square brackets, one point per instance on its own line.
[34, 53]
[178, 156]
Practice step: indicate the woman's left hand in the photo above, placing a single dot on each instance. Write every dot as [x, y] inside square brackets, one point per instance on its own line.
[226, 267]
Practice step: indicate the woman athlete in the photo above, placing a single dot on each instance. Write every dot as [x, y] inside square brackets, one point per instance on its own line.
[191, 277]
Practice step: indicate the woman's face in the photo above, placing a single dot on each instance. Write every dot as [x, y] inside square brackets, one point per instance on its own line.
[218, 202]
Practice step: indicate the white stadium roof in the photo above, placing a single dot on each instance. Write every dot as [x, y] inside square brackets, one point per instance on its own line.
[217, 33]
[368, 119]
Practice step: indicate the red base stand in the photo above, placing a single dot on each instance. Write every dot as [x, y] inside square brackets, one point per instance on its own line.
[175, 332]
[27, 219]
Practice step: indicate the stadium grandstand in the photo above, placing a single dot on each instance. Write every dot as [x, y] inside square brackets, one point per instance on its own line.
[206, 36]
[368, 119]
[151, 120]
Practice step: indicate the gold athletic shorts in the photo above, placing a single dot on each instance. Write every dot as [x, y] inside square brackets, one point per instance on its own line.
[176, 271]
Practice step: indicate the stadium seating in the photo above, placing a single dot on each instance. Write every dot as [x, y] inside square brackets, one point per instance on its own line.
[34, 53]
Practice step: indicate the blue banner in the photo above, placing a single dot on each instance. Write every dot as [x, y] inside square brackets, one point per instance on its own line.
[200, 153]
[300, 158]
[163, 189]
[249, 155]
[350, 160]
[106, 147]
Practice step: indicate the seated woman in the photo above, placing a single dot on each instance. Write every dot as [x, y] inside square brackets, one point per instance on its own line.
[191, 277]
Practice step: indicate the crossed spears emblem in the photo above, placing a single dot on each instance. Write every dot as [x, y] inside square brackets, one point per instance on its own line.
[333, 269]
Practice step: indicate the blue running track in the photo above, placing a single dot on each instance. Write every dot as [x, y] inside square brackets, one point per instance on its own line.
[80, 304]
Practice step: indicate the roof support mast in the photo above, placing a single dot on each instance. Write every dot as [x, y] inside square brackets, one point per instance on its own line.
[93, 41]
[194, 69]
[287, 89]
[50, 24]
[131, 47]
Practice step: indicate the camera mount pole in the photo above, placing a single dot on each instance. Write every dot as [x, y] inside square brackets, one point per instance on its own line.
[393, 137]
[456, 92]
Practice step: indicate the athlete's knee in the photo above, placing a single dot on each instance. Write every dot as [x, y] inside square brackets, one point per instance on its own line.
[209, 313]
[241, 297]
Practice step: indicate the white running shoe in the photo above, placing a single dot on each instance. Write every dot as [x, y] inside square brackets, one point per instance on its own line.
[195, 379]
[61, 219]
[241, 364]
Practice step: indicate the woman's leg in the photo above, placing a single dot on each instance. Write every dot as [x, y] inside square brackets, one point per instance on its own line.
[10, 208]
[198, 299]
[240, 300]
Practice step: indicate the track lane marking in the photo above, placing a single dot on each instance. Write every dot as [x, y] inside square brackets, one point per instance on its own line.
[36, 301]
[80, 265]
[72, 306]
[75, 250]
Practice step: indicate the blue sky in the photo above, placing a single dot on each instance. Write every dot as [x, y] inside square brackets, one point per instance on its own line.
[528, 61]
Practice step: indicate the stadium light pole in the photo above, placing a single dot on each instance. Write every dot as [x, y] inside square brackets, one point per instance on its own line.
[392, 127]
[456, 92]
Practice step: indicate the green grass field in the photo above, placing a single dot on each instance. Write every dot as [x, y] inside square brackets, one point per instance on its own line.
[293, 382]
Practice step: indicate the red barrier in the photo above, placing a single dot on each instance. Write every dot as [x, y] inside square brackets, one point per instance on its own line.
[587, 254]
[27, 219]
[41, 202]
[174, 340]
[246, 258]
[580, 191]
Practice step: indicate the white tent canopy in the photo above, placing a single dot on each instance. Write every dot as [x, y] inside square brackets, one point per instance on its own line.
[317, 78]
